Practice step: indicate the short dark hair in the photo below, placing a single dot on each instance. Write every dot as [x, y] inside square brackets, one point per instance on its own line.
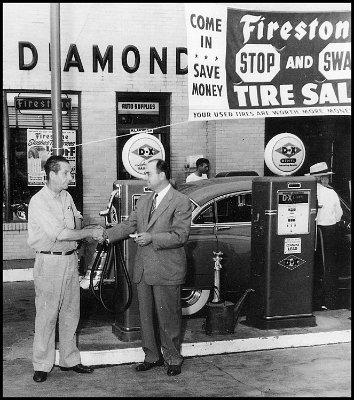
[201, 161]
[162, 166]
[52, 164]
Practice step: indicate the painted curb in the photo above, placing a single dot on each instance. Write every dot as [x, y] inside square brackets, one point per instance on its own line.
[132, 355]
[17, 275]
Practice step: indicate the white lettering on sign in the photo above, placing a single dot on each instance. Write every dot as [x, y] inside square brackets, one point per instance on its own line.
[326, 93]
[264, 95]
[299, 62]
[256, 26]
[292, 245]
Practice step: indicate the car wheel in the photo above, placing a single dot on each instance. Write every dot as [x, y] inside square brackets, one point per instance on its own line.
[194, 300]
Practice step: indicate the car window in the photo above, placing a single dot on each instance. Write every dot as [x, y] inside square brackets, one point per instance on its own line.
[236, 208]
[193, 206]
[206, 216]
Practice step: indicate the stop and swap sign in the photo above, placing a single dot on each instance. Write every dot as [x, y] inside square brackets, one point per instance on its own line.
[257, 63]
[261, 63]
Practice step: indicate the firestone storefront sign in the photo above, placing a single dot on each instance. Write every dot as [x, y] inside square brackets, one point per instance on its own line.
[252, 64]
[39, 103]
[40, 148]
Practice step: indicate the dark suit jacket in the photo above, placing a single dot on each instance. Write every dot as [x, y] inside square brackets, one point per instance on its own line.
[164, 260]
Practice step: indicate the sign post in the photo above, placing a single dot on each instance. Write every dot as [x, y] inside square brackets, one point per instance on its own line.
[55, 64]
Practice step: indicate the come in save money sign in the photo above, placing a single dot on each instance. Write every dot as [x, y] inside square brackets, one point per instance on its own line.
[252, 64]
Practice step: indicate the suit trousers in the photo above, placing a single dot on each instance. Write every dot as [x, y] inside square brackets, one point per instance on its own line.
[57, 288]
[161, 321]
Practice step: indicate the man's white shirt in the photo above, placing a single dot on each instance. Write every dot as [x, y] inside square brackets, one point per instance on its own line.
[194, 177]
[162, 194]
[330, 210]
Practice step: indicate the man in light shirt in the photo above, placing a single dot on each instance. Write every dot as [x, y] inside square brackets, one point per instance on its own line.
[53, 234]
[202, 165]
[328, 215]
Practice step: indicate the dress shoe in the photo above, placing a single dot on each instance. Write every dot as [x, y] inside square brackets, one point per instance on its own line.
[173, 370]
[145, 366]
[40, 376]
[81, 369]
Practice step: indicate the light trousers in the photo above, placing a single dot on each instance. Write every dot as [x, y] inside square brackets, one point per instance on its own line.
[57, 288]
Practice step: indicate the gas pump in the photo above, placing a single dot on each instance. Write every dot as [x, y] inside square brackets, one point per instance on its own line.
[127, 324]
[282, 247]
[109, 275]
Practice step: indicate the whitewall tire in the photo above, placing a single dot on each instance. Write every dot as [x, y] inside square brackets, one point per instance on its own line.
[193, 300]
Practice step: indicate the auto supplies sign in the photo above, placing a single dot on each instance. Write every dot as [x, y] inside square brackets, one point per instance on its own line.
[40, 148]
[252, 64]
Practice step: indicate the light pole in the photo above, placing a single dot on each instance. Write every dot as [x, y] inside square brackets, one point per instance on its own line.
[55, 65]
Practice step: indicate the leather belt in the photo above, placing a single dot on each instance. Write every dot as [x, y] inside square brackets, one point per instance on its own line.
[57, 253]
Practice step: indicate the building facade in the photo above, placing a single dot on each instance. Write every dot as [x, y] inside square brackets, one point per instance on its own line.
[114, 55]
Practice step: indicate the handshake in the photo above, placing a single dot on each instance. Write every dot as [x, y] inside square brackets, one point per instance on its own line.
[96, 232]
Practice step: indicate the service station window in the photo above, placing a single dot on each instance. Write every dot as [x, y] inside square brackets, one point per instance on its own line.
[30, 145]
[141, 112]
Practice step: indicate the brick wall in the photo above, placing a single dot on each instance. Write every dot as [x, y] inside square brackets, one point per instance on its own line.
[236, 144]
[240, 145]
[14, 242]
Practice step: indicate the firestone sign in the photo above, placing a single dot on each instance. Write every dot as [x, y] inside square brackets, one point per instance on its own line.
[39, 103]
[252, 64]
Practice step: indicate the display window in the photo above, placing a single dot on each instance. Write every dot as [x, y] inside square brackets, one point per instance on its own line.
[30, 143]
[137, 112]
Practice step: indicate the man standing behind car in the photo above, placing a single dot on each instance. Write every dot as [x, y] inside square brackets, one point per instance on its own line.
[201, 172]
[328, 215]
[52, 233]
[160, 225]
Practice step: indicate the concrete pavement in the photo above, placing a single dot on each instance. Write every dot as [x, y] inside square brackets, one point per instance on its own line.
[318, 371]
[250, 362]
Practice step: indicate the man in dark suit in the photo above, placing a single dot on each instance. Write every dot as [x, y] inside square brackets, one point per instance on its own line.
[161, 221]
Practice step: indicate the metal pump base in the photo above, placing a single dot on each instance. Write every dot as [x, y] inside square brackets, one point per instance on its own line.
[278, 323]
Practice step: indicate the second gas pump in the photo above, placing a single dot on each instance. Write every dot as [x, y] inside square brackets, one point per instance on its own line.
[282, 240]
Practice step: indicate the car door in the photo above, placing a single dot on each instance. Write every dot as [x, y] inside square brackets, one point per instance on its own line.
[200, 246]
[233, 231]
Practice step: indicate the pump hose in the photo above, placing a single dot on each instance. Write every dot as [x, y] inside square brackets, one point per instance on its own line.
[110, 256]
[97, 261]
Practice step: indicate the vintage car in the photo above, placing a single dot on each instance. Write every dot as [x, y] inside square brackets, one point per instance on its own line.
[221, 222]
